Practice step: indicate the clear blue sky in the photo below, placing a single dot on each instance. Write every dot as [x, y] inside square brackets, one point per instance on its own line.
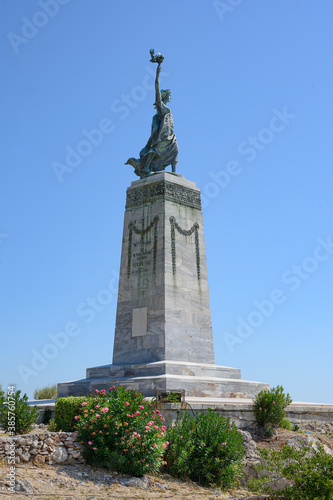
[251, 89]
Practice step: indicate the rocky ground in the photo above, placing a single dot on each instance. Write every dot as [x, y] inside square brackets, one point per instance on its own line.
[89, 483]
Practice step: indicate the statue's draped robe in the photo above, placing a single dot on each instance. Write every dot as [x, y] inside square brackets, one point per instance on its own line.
[162, 143]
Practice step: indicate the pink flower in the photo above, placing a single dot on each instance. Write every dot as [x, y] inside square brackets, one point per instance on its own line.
[126, 403]
[163, 428]
[158, 411]
[105, 409]
[97, 406]
[96, 391]
[224, 444]
[128, 415]
[273, 402]
[98, 416]
[84, 404]
[154, 445]
[164, 445]
[89, 442]
[155, 427]
[94, 448]
[165, 463]
[113, 387]
[147, 427]
[167, 443]
[137, 413]
[103, 392]
[141, 407]
[116, 433]
[76, 418]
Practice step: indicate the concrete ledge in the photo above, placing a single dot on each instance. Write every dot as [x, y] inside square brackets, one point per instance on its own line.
[196, 386]
[164, 367]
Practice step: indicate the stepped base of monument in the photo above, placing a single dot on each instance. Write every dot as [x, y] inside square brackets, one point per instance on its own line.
[196, 379]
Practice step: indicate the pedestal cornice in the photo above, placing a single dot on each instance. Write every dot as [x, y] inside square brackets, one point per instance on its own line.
[163, 186]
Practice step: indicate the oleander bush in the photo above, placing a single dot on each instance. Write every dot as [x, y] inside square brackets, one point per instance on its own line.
[206, 448]
[309, 471]
[16, 416]
[47, 392]
[269, 408]
[64, 412]
[122, 431]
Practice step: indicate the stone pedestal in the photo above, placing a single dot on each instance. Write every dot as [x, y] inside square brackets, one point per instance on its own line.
[163, 308]
[163, 337]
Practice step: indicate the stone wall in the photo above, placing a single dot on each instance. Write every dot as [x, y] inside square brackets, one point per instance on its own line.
[305, 415]
[44, 448]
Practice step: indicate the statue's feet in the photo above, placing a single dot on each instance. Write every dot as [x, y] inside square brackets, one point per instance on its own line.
[146, 173]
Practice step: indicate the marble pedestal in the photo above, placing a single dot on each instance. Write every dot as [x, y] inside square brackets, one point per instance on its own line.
[163, 336]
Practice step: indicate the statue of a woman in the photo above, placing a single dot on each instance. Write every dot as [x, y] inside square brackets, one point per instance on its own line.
[161, 149]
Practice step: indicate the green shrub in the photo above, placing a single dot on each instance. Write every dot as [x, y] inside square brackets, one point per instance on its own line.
[310, 470]
[122, 431]
[286, 424]
[269, 407]
[51, 426]
[16, 416]
[48, 392]
[206, 448]
[64, 412]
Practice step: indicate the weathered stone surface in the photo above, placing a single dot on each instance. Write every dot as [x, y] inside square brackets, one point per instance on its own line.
[250, 446]
[23, 485]
[159, 275]
[39, 459]
[137, 482]
[301, 439]
[59, 455]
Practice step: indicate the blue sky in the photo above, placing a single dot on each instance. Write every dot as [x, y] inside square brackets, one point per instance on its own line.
[252, 104]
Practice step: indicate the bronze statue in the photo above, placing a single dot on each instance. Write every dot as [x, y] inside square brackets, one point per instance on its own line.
[161, 149]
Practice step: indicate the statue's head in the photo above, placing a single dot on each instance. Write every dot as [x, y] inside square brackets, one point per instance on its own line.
[166, 95]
